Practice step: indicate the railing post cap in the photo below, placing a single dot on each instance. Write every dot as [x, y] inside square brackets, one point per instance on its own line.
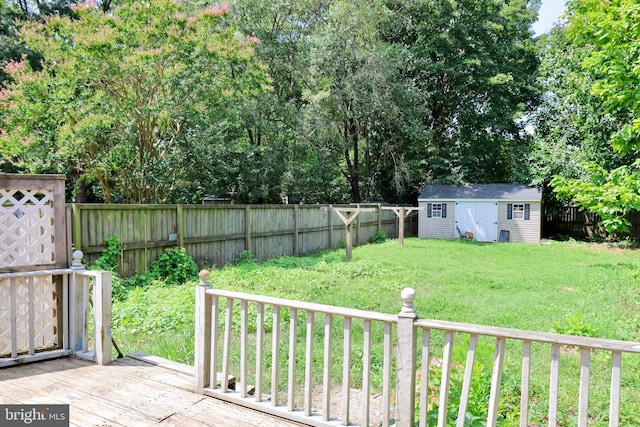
[77, 256]
[204, 277]
[408, 295]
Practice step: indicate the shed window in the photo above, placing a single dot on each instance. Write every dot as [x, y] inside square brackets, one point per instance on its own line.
[519, 211]
[436, 210]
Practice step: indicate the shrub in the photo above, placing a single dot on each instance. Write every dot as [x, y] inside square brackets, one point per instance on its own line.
[174, 266]
[246, 258]
[379, 237]
[108, 260]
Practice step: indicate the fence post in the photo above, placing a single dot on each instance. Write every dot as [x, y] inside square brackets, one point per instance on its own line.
[406, 362]
[247, 231]
[76, 302]
[202, 351]
[102, 316]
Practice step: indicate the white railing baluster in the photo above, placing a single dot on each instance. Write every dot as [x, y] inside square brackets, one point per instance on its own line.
[445, 383]
[326, 377]
[553, 385]
[226, 348]
[259, 352]
[496, 381]
[31, 315]
[346, 370]
[85, 314]
[386, 376]
[65, 311]
[407, 331]
[14, 317]
[466, 383]
[424, 380]
[275, 355]
[293, 333]
[308, 365]
[524, 386]
[34, 334]
[585, 365]
[215, 325]
[614, 395]
[366, 374]
[243, 347]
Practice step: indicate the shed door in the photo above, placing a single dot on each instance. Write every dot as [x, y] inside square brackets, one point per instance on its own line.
[479, 218]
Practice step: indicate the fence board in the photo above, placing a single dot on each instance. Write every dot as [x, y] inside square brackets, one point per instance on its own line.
[215, 235]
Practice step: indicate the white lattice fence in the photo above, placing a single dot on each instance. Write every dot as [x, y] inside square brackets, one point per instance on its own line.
[32, 222]
[33, 303]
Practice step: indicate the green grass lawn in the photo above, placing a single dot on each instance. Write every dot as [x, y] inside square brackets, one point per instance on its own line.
[573, 288]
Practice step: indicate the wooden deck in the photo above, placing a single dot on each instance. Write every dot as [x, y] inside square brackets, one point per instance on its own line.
[138, 390]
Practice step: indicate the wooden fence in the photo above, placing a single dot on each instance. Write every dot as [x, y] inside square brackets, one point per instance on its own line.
[581, 225]
[215, 235]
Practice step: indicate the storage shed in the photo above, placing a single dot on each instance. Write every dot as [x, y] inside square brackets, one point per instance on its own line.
[485, 212]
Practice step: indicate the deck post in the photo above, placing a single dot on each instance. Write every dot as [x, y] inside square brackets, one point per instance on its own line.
[202, 351]
[406, 362]
[76, 301]
[102, 317]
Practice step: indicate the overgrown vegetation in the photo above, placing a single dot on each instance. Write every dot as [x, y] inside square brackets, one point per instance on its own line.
[567, 287]
[173, 267]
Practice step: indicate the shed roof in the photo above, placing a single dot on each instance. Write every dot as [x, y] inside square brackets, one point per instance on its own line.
[519, 192]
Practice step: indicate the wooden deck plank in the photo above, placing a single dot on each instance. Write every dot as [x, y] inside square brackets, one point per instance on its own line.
[133, 391]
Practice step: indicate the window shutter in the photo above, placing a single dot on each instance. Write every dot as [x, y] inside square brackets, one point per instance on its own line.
[509, 211]
[428, 210]
[444, 210]
[527, 211]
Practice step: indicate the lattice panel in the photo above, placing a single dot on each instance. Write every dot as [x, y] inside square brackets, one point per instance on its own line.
[45, 316]
[27, 227]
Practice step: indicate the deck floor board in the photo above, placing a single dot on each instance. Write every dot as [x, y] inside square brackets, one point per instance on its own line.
[133, 391]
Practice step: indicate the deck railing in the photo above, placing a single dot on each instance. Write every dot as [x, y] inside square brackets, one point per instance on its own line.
[227, 340]
[47, 313]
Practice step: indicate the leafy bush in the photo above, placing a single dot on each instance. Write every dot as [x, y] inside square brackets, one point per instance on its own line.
[174, 267]
[108, 260]
[246, 258]
[379, 237]
[575, 325]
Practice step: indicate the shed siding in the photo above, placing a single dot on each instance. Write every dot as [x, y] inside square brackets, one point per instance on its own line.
[437, 228]
[527, 231]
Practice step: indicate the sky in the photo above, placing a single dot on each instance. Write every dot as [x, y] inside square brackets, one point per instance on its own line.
[550, 12]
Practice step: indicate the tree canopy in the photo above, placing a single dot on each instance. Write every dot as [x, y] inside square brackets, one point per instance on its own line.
[313, 100]
[590, 116]
[136, 101]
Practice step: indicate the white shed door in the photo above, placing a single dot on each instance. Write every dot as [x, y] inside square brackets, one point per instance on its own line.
[479, 218]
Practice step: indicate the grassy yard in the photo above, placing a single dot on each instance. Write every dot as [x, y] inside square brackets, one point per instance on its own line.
[572, 288]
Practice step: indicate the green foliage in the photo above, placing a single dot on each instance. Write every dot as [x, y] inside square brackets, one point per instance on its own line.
[477, 404]
[610, 28]
[108, 260]
[246, 258]
[598, 105]
[174, 267]
[379, 237]
[610, 194]
[126, 106]
[342, 243]
[574, 325]
[602, 285]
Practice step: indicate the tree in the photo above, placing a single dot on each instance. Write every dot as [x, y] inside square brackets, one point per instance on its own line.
[389, 95]
[472, 65]
[571, 124]
[609, 37]
[350, 95]
[138, 100]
